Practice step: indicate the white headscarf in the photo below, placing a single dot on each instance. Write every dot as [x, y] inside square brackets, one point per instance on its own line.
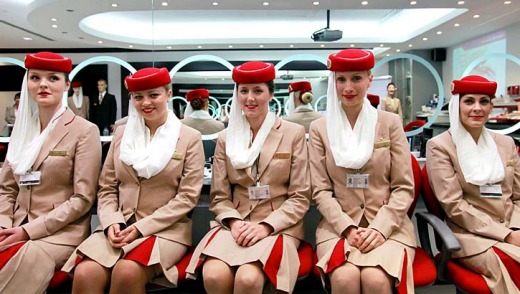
[148, 157]
[291, 106]
[480, 162]
[239, 136]
[350, 148]
[78, 99]
[26, 139]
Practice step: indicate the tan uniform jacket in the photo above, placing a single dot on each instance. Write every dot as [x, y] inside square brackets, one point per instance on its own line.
[160, 205]
[10, 115]
[204, 126]
[384, 204]
[282, 165]
[392, 105]
[58, 209]
[477, 222]
[83, 111]
[304, 117]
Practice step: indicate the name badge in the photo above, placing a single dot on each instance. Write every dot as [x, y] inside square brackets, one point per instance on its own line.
[57, 152]
[511, 162]
[382, 144]
[177, 156]
[30, 178]
[357, 181]
[282, 155]
[259, 192]
[491, 191]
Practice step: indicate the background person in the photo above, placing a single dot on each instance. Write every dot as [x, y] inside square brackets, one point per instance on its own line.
[391, 103]
[475, 174]
[10, 116]
[103, 109]
[49, 180]
[78, 103]
[196, 114]
[300, 108]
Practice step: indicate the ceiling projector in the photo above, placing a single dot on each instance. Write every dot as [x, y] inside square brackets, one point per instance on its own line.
[327, 35]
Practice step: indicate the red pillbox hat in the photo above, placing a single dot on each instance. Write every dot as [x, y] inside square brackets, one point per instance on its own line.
[474, 85]
[197, 93]
[302, 86]
[48, 61]
[351, 60]
[254, 72]
[147, 78]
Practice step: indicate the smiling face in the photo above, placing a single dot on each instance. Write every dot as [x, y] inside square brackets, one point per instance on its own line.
[254, 100]
[46, 87]
[474, 110]
[352, 86]
[391, 89]
[152, 104]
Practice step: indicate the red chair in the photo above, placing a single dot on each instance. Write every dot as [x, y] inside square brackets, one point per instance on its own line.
[416, 123]
[449, 270]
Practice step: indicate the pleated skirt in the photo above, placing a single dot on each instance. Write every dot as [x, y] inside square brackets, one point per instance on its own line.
[278, 255]
[394, 258]
[154, 251]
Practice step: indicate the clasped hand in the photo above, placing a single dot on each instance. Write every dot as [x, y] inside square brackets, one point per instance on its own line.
[364, 239]
[247, 233]
[118, 238]
[12, 235]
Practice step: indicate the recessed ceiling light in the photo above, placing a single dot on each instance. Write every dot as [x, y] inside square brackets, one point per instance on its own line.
[316, 3]
[398, 50]
[425, 39]
[199, 46]
[54, 26]
[54, 19]
[387, 54]
[27, 38]
[215, 3]
[507, 2]
[113, 5]
[456, 25]
[164, 4]
[352, 45]
[439, 32]
[261, 46]
[168, 47]
[322, 45]
[230, 46]
[410, 45]
[413, 2]
[364, 3]
[292, 46]
[265, 3]
[381, 45]
[476, 16]
[223, 79]
[461, 2]
[100, 42]
[130, 46]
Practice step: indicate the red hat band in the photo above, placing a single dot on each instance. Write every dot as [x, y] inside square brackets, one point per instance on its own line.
[48, 61]
[474, 85]
[254, 72]
[351, 60]
[147, 78]
[197, 93]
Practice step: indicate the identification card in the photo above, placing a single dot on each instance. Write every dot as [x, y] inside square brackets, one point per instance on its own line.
[357, 181]
[30, 178]
[491, 191]
[259, 192]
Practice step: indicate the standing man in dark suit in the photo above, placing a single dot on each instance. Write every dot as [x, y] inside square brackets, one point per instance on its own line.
[103, 108]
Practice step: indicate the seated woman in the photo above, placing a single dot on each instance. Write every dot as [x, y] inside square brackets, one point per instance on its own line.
[260, 192]
[300, 110]
[362, 184]
[475, 174]
[196, 114]
[150, 181]
[49, 180]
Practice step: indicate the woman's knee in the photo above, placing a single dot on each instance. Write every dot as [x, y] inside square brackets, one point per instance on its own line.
[89, 274]
[346, 276]
[127, 272]
[217, 274]
[375, 278]
[250, 276]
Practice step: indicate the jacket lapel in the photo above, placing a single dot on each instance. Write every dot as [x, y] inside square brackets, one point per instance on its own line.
[61, 129]
[270, 146]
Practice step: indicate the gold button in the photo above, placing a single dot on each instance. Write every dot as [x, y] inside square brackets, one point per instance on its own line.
[250, 207]
[362, 206]
[133, 209]
[501, 220]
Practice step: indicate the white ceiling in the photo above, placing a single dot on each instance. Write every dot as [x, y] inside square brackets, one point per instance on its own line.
[245, 24]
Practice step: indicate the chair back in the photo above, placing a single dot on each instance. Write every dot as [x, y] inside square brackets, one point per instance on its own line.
[431, 203]
[416, 123]
[417, 180]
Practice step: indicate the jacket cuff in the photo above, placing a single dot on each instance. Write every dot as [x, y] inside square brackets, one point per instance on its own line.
[36, 229]
[221, 218]
[111, 218]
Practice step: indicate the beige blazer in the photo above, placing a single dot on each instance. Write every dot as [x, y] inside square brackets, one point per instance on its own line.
[304, 117]
[83, 111]
[478, 223]
[384, 204]
[10, 115]
[282, 165]
[159, 205]
[392, 105]
[204, 126]
[57, 210]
